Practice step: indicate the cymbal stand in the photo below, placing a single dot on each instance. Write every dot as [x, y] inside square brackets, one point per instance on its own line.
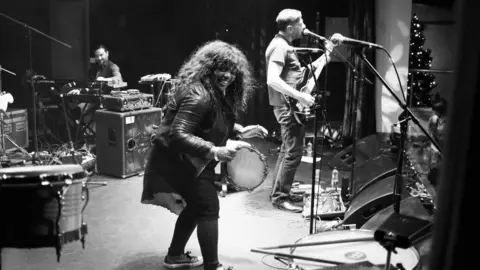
[32, 80]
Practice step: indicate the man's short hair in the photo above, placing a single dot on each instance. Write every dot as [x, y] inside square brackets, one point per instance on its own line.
[287, 17]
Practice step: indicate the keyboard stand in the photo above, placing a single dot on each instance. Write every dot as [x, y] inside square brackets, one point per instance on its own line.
[84, 127]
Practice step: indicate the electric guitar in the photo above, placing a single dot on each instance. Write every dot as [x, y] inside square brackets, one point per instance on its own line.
[300, 111]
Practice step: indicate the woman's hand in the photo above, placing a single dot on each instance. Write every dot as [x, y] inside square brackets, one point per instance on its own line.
[252, 131]
[228, 152]
[237, 144]
[224, 153]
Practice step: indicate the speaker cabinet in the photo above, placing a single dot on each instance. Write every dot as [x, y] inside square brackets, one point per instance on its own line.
[370, 201]
[124, 140]
[371, 163]
[366, 149]
[372, 171]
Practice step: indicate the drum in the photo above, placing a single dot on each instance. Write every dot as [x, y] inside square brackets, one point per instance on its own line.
[351, 252]
[247, 170]
[42, 206]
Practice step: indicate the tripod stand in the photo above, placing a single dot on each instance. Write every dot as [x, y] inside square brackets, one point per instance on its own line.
[32, 79]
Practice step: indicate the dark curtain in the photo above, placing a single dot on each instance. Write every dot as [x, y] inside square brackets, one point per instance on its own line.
[256, 30]
[455, 228]
[360, 95]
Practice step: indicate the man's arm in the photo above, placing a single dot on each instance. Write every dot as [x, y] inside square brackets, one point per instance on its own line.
[276, 83]
[322, 61]
[237, 128]
[117, 76]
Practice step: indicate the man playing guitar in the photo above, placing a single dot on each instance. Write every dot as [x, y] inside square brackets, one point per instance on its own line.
[289, 85]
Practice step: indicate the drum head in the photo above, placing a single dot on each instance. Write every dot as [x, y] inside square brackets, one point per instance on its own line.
[248, 169]
[352, 252]
[76, 171]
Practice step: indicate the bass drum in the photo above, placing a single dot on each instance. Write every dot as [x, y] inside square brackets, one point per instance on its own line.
[366, 250]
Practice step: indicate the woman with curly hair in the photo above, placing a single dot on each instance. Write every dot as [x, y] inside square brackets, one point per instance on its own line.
[212, 86]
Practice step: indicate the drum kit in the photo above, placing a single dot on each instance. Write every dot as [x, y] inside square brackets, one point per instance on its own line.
[49, 202]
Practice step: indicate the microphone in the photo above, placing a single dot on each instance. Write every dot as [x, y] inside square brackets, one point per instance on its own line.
[304, 50]
[339, 39]
[307, 32]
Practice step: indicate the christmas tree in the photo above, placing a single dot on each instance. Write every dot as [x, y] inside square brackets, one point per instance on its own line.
[420, 83]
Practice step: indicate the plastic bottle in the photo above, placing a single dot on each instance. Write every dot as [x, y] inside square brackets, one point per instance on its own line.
[223, 193]
[309, 149]
[334, 178]
[317, 175]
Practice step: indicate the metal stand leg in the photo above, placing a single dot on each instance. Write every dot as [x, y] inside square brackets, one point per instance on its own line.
[3, 137]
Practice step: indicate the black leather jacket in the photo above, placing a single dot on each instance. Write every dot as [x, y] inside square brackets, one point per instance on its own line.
[193, 123]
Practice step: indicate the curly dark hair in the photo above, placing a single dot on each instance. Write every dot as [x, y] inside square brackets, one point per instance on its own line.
[213, 55]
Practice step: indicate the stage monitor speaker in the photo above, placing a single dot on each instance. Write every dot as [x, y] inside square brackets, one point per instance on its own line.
[409, 207]
[365, 204]
[366, 149]
[124, 140]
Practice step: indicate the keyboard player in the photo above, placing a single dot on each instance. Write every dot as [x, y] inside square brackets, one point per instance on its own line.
[104, 72]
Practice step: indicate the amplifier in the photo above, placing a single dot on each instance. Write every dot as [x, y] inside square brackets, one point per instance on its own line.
[127, 102]
[16, 127]
[124, 139]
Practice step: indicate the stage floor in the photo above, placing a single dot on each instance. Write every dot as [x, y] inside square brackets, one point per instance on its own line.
[125, 234]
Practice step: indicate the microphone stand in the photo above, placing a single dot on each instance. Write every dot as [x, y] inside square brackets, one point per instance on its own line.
[316, 108]
[314, 145]
[353, 115]
[403, 135]
[358, 77]
[32, 81]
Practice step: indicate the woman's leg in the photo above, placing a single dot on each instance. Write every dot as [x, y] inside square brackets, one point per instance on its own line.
[184, 228]
[207, 209]
[207, 233]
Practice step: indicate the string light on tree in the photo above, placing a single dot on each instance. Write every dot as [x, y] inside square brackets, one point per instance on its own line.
[420, 84]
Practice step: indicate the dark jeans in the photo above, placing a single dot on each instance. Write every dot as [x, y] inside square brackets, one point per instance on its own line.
[290, 154]
[202, 210]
